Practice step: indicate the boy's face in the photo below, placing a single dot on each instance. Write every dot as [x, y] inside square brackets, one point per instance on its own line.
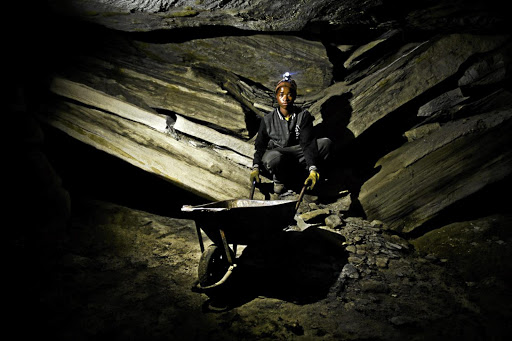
[285, 97]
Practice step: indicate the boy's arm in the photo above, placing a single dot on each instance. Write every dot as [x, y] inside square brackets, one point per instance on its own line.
[260, 144]
[307, 140]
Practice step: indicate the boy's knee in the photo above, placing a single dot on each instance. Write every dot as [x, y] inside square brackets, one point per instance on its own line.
[272, 159]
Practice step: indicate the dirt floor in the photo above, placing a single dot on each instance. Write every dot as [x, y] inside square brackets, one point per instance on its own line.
[124, 274]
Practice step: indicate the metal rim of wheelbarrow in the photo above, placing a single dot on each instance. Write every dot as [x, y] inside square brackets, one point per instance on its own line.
[213, 264]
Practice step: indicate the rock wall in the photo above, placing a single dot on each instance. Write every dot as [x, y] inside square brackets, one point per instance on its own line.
[416, 98]
[461, 156]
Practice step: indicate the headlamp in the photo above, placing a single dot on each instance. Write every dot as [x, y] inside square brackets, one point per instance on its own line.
[287, 81]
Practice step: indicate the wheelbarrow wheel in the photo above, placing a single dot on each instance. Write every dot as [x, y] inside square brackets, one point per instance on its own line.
[213, 265]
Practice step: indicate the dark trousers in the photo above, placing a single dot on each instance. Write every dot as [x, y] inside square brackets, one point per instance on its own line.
[280, 161]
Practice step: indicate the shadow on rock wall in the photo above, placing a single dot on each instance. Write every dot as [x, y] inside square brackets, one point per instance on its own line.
[347, 168]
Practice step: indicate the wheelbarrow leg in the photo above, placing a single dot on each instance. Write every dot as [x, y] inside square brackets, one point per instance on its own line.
[226, 247]
[200, 237]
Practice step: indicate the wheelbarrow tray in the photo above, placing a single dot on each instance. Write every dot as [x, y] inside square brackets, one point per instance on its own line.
[243, 221]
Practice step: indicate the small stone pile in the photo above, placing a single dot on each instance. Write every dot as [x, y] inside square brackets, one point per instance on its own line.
[384, 277]
[368, 244]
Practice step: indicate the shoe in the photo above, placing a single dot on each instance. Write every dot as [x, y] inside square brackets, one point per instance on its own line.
[278, 186]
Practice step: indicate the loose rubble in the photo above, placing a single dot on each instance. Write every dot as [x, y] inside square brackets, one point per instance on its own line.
[385, 278]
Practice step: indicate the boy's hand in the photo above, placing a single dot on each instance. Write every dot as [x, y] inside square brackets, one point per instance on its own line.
[312, 179]
[255, 175]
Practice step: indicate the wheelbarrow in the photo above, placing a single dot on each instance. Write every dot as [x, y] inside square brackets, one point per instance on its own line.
[236, 222]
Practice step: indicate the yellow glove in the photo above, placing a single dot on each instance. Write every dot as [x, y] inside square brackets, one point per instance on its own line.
[255, 175]
[312, 179]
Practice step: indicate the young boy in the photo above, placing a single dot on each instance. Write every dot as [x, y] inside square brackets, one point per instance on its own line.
[286, 140]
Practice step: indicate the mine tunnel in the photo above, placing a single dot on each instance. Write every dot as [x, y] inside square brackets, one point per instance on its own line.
[125, 112]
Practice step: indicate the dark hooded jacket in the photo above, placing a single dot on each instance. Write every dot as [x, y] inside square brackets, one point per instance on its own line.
[276, 132]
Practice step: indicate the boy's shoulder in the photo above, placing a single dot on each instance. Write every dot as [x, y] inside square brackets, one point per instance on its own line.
[303, 112]
[271, 112]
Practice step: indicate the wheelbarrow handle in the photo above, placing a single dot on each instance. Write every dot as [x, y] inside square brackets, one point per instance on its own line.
[253, 186]
[300, 198]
